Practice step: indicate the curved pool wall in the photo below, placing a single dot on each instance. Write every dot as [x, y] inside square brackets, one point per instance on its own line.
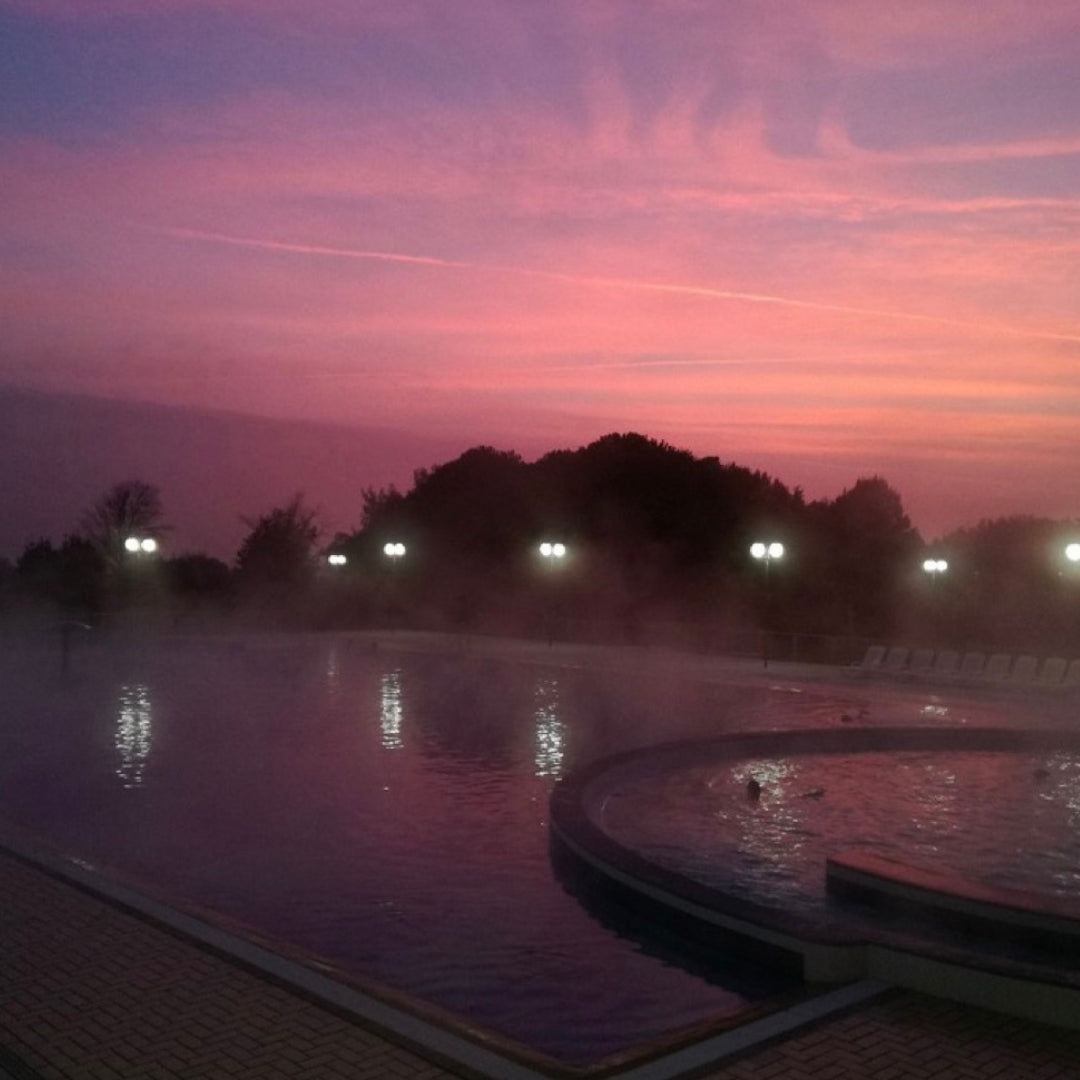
[831, 953]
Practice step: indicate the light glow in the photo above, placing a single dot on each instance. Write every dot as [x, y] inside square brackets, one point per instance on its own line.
[772, 550]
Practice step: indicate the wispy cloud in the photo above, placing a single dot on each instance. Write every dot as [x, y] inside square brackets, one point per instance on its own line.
[704, 292]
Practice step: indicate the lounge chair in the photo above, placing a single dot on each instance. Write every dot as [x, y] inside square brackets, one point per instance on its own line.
[896, 659]
[1024, 670]
[1053, 671]
[1072, 676]
[971, 667]
[872, 661]
[946, 663]
[922, 662]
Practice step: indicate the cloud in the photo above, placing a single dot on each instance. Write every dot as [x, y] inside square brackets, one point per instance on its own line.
[703, 292]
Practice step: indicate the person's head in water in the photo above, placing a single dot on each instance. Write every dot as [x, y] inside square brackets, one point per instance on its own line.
[753, 790]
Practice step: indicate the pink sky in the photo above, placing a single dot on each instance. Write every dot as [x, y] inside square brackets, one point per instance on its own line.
[824, 238]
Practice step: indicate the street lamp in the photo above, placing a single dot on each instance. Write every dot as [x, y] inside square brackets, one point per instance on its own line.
[1072, 552]
[553, 552]
[766, 551]
[938, 566]
[393, 551]
[337, 559]
[146, 545]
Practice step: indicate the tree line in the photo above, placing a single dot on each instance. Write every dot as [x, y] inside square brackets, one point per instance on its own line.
[654, 537]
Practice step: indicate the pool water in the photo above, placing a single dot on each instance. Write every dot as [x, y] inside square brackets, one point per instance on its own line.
[1010, 820]
[383, 812]
[386, 811]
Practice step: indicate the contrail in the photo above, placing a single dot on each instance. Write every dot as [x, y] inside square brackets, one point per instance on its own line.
[629, 284]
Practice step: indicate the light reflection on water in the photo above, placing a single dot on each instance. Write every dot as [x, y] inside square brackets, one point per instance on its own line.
[550, 729]
[391, 709]
[134, 732]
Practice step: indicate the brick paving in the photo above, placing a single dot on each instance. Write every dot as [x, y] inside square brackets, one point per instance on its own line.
[90, 992]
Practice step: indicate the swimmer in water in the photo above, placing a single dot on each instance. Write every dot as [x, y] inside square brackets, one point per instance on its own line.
[753, 790]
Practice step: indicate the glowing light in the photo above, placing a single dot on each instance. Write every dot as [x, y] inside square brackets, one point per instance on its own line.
[144, 545]
[772, 550]
[393, 550]
[337, 559]
[935, 566]
[553, 551]
[1072, 552]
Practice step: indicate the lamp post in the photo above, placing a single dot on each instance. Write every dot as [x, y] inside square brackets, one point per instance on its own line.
[552, 552]
[394, 550]
[934, 569]
[765, 552]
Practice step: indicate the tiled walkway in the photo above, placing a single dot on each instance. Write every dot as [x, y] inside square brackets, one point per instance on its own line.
[89, 991]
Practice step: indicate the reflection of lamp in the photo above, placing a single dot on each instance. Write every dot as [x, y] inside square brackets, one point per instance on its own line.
[392, 710]
[550, 729]
[134, 731]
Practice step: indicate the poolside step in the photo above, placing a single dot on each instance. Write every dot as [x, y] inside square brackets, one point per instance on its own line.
[1009, 914]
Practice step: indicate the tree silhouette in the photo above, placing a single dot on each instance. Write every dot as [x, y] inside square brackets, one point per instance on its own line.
[871, 549]
[278, 549]
[71, 577]
[132, 507]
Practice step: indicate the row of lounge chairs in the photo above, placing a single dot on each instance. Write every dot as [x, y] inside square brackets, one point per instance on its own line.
[951, 666]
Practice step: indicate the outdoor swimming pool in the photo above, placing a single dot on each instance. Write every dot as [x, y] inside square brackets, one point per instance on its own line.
[386, 811]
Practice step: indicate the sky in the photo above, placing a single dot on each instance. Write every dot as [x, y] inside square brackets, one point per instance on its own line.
[826, 238]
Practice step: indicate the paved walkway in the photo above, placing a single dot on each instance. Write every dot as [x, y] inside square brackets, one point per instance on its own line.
[90, 991]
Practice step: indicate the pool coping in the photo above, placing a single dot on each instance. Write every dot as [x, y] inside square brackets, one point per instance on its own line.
[827, 953]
